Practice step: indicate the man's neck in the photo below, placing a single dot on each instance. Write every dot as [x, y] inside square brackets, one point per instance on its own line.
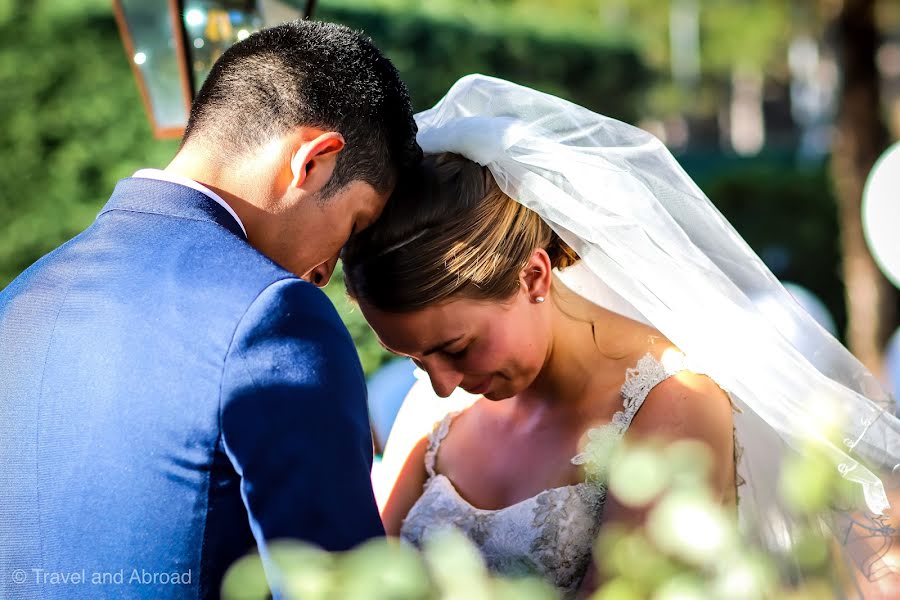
[211, 175]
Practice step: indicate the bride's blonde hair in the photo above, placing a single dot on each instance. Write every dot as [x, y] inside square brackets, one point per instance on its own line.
[447, 232]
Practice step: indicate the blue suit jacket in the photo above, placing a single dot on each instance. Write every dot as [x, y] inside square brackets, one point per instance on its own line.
[168, 394]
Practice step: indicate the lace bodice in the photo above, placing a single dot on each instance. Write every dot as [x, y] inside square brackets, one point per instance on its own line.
[551, 534]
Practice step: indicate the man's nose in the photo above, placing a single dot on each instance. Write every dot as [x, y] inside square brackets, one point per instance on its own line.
[321, 275]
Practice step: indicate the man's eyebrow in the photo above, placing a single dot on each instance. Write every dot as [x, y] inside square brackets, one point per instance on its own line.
[442, 345]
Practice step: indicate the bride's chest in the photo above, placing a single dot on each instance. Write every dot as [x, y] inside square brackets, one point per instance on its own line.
[492, 469]
[550, 534]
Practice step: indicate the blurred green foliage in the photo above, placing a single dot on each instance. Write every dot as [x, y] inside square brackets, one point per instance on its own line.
[689, 547]
[432, 48]
[74, 122]
[786, 212]
[449, 568]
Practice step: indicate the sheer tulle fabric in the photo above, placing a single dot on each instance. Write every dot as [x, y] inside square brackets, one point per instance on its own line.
[653, 247]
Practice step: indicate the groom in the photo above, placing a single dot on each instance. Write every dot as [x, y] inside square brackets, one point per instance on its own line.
[173, 389]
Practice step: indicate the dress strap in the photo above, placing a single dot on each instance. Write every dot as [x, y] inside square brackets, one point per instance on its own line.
[641, 379]
[437, 435]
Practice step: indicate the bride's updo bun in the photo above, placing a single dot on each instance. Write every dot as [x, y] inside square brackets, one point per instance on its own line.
[447, 231]
[561, 254]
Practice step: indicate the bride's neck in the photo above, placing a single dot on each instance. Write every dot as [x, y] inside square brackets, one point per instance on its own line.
[582, 359]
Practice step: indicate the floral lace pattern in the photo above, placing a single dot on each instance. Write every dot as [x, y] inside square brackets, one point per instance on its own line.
[549, 535]
[639, 380]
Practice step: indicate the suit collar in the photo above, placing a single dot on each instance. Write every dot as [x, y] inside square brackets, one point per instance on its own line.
[159, 197]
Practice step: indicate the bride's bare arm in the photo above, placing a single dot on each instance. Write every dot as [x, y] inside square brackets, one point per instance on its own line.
[686, 406]
[406, 490]
[691, 406]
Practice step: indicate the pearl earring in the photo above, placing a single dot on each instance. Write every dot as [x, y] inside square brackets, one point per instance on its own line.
[539, 299]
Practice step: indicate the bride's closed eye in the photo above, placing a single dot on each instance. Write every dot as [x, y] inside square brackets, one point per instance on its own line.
[458, 354]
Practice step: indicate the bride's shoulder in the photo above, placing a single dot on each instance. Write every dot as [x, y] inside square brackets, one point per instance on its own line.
[462, 422]
[685, 404]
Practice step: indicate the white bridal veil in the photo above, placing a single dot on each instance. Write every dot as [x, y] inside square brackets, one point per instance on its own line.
[655, 248]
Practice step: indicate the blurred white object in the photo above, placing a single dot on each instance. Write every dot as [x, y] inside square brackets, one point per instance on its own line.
[892, 364]
[881, 213]
[421, 409]
[783, 316]
[813, 305]
[387, 388]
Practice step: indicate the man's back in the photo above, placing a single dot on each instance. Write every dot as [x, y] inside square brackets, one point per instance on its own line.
[146, 368]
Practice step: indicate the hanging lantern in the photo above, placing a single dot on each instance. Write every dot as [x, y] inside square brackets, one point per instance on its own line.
[172, 44]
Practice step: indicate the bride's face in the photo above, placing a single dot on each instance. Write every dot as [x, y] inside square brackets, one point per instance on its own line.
[490, 348]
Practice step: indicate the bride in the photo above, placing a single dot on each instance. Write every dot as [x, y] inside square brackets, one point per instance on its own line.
[463, 273]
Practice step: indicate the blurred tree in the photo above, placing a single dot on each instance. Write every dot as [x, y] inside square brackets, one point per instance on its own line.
[720, 62]
[695, 45]
[860, 139]
[72, 123]
[433, 48]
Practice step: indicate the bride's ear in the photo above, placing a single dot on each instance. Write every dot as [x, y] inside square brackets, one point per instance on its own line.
[536, 277]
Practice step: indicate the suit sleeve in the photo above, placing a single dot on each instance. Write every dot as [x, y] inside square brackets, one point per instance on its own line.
[295, 424]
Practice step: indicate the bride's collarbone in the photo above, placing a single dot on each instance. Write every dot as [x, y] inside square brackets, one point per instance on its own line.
[492, 487]
[493, 469]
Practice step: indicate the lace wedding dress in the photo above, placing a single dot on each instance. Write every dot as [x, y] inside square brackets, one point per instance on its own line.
[655, 249]
[550, 535]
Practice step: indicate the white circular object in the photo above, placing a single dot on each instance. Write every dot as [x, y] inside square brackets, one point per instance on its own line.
[813, 305]
[881, 213]
[194, 17]
[892, 364]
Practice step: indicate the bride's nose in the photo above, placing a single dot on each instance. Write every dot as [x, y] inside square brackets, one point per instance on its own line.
[444, 379]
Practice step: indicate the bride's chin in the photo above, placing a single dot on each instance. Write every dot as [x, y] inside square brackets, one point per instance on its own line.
[498, 395]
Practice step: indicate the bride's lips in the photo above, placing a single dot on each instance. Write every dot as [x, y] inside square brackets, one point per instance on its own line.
[482, 387]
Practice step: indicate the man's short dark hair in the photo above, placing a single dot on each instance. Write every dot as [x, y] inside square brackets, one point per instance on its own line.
[314, 74]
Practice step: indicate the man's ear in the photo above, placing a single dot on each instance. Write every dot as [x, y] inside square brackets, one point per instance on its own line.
[313, 161]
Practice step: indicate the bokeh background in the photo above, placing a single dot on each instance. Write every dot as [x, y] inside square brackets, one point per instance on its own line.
[778, 109]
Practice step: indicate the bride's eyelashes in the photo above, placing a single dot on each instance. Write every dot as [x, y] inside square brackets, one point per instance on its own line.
[461, 353]
[457, 355]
